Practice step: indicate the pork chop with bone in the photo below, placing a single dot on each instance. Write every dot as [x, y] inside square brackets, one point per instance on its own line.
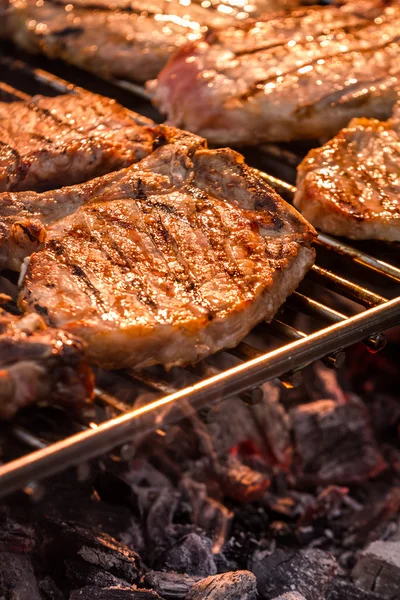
[164, 262]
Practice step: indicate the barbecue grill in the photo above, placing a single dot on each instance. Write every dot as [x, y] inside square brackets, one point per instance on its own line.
[349, 296]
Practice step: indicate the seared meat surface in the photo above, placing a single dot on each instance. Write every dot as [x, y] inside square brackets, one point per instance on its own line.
[304, 75]
[133, 43]
[351, 186]
[51, 142]
[40, 364]
[164, 262]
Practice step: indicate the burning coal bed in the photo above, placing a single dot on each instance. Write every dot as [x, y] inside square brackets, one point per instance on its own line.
[295, 497]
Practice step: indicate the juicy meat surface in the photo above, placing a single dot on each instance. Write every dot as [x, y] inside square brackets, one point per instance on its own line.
[51, 142]
[40, 364]
[164, 262]
[303, 75]
[133, 43]
[351, 186]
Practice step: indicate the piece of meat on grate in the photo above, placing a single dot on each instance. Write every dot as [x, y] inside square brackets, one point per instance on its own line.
[71, 138]
[351, 186]
[164, 262]
[40, 364]
[304, 75]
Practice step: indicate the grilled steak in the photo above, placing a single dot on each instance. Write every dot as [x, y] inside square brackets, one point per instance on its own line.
[351, 186]
[304, 75]
[50, 142]
[134, 43]
[40, 364]
[164, 262]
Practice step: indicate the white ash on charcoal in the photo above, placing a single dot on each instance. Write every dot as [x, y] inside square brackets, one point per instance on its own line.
[169, 585]
[240, 585]
[309, 572]
[159, 517]
[335, 443]
[192, 554]
[94, 547]
[378, 569]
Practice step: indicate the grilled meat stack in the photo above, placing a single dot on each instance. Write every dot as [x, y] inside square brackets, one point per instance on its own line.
[303, 75]
[133, 42]
[50, 142]
[351, 186]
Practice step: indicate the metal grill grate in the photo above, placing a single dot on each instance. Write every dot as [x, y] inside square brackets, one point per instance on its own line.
[344, 309]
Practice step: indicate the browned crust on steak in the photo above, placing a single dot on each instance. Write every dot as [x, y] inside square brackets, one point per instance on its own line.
[351, 186]
[50, 142]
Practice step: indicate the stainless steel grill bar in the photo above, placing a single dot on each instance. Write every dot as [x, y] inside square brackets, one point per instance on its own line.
[25, 436]
[165, 387]
[12, 93]
[111, 401]
[113, 433]
[366, 260]
[314, 309]
[345, 287]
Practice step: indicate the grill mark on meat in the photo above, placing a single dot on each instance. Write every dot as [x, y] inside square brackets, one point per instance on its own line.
[48, 114]
[84, 278]
[337, 97]
[350, 186]
[374, 180]
[76, 270]
[184, 276]
[318, 34]
[254, 87]
[226, 75]
[164, 244]
[140, 193]
[68, 31]
[107, 221]
[212, 217]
